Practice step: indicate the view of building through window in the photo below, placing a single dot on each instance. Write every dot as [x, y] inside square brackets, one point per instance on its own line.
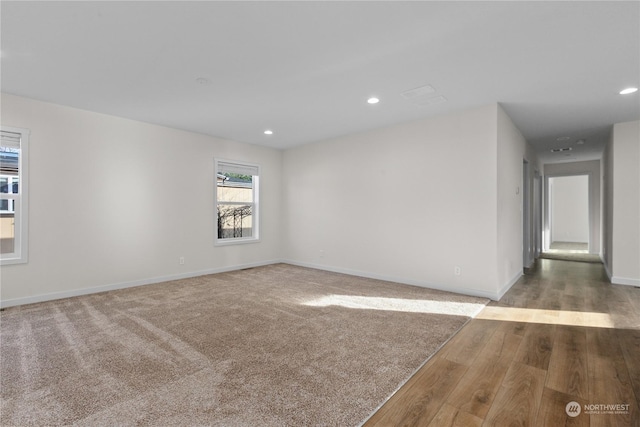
[9, 193]
[236, 189]
[235, 205]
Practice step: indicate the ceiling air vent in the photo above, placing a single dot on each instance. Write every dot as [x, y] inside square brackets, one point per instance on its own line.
[431, 101]
[422, 96]
[417, 92]
[560, 150]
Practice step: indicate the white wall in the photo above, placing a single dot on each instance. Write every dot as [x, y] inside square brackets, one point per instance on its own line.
[592, 169]
[569, 198]
[512, 149]
[623, 220]
[115, 202]
[408, 202]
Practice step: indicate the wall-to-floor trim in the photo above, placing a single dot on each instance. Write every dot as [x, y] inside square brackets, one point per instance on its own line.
[405, 281]
[94, 290]
[615, 280]
[123, 285]
[503, 290]
[625, 281]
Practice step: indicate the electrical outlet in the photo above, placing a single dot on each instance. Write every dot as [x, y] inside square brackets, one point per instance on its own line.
[457, 270]
[181, 260]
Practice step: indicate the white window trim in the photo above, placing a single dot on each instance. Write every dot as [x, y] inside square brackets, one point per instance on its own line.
[256, 211]
[21, 203]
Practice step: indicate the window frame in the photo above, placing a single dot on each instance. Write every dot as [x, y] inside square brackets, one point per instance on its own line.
[255, 190]
[20, 202]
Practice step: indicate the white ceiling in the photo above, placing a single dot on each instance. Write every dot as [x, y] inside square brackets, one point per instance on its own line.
[306, 69]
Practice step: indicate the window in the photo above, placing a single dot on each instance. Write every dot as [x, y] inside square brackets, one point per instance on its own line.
[236, 199]
[13, 195]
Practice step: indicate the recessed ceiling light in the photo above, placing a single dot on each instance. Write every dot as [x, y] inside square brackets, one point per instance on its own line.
[373, 100]
[268, 132]
[628, 90]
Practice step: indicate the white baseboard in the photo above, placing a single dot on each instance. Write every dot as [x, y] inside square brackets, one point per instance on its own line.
[616, 280]
[422, 284]
[505, 288]
[111, 287]
[625, 281]
[159, 279]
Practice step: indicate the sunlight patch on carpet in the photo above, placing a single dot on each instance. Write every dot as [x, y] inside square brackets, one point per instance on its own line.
[398, 304]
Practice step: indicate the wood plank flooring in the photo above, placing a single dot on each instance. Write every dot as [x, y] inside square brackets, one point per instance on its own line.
[562, 334]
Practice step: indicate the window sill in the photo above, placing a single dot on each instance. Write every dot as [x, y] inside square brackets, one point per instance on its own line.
[236, 241]
[14, 260]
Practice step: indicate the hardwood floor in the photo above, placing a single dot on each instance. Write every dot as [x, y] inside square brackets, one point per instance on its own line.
[561, 334]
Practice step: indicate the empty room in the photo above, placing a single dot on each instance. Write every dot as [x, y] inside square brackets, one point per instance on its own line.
[319, 213]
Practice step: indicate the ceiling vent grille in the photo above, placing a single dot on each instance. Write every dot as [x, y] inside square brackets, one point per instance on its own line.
[418, 92]
[430, 101]
[423, 96]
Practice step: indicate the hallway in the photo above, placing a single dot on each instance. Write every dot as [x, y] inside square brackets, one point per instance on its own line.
[561, 334]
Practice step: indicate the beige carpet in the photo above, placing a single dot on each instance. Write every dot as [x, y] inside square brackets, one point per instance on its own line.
[570, 251]
[568, 256]
[569, 247]
[270, 346]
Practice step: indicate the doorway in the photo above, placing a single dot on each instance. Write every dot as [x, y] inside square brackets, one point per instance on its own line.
[569, 214]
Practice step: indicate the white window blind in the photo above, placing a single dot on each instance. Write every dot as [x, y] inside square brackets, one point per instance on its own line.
[10, 139]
